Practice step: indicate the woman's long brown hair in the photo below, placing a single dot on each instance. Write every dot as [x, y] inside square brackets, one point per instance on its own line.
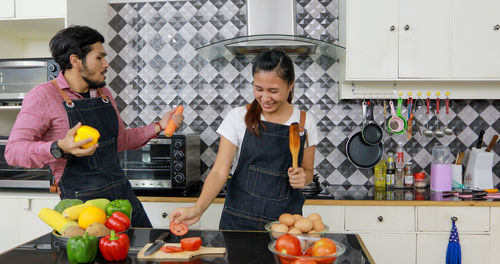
[271, 60]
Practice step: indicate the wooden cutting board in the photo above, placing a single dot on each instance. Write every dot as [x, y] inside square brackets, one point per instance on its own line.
[184, 255]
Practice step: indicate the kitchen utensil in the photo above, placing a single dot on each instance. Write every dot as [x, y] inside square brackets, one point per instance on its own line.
[372, 133]
[409, 127]
[395, 124]
[447, 131]
[492, 143]
[478, 172]
[159, 242]
[480, 139]
[361, 154]
[460, 157]
[183, 255]
[294, 141]
[438, 132]
[427, 132]
[440, 177]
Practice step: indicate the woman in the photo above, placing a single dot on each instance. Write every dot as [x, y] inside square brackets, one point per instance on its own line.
[263, 183]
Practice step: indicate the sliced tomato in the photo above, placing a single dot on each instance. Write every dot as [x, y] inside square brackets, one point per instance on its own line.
[171, 249]
[191, 243]
[178, 229]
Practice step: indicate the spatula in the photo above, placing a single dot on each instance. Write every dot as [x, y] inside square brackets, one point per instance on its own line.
[294, 139]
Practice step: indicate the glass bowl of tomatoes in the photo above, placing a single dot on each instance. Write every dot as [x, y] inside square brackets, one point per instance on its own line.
[289, 249]
[276, 230]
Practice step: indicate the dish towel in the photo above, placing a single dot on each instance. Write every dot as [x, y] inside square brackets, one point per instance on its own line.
[454, 252]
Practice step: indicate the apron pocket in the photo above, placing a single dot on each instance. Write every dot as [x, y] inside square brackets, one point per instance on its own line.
[267, 183]
[105, 191]
[107, 154]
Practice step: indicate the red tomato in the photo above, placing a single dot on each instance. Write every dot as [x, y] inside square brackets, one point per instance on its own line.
[309, 251]
[288, 244]
[171, 249]
[304, 261]
[191, 243]
[178, 229]
[324, 247]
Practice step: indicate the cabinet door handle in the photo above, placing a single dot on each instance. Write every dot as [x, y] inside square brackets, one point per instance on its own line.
[380, 219]
[392, 28]
[164, 215]
[496, 27]
[407, 27]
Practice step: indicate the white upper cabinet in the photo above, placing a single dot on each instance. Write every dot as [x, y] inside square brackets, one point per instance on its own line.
[391, 39]
[424, 39]
[372, 39]
[39, 9]
[7, 8]
[475, 39]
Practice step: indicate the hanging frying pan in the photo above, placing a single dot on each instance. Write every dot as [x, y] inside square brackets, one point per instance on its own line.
[362, 154]
[372, 132]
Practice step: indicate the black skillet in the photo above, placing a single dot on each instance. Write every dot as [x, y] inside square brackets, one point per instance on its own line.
[372, 133]
[362, 154]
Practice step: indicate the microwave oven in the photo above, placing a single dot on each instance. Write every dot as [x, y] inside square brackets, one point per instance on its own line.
[164, 164]
[19, 76]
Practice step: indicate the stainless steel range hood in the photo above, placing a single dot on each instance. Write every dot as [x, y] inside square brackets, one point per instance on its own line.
[271, 24]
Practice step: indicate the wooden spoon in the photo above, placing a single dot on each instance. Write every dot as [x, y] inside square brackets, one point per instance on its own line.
[294, 138]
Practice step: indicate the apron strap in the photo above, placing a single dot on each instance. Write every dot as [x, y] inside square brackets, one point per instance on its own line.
[69, 102]
[302, 123]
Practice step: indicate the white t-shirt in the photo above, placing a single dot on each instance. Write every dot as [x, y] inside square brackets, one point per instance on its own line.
[233, 128]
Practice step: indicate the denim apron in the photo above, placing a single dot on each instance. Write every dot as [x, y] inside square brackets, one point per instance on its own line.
[99, 175]
[259, 190]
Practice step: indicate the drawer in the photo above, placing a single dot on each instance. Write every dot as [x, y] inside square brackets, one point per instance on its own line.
[379, 218]
[438, 219]
[159, 213]
[332, 216]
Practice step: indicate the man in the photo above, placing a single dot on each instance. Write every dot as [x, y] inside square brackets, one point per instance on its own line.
[52, 112]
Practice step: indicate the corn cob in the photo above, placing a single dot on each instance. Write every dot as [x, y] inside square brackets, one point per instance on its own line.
[55, 219]
[72, 213]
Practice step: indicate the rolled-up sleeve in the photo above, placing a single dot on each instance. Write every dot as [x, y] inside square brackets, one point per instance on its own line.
[25, 146]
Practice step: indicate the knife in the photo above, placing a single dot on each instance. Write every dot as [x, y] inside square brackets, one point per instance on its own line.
[480, 139]
[159, 242]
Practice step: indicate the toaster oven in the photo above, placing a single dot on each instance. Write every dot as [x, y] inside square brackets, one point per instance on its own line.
[164, 164]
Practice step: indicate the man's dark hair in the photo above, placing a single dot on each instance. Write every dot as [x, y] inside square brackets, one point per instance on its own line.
[73, 40]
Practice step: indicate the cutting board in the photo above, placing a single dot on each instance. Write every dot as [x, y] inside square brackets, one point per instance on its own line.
[184, 255]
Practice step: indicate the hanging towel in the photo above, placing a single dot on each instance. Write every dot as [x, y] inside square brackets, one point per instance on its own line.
[454, 252]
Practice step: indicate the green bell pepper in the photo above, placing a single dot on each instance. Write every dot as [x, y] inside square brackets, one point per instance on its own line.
[82, 249]
[119, 205]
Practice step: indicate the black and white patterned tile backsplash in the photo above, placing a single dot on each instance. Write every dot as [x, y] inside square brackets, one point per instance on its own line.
[154, 66]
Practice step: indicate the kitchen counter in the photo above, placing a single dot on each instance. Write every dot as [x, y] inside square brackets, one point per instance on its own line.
[242, 247]
[363, 196]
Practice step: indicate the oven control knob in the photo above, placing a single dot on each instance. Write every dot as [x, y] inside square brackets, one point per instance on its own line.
[178, 155]
[179, 178]
[178, 144]
[178, 166]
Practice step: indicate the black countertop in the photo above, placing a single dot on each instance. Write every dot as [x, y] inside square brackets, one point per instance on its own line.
[242, 247]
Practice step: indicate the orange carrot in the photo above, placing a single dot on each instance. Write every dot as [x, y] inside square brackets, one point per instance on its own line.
[171, 127]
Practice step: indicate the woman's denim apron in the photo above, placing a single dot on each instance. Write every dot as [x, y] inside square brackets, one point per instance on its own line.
[259, 190]
[99, 175]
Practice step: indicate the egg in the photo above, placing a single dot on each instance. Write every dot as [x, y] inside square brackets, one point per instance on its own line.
[279, 229]
[318, 225]
[297, 217]
[313, 233]
[287, 219]
[304, 224]
[295, 231]
[314, 216]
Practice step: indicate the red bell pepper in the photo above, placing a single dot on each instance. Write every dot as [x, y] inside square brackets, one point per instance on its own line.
[114, 247]
[118, 221]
